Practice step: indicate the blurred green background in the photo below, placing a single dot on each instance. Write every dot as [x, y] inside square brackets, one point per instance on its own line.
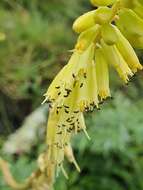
[38, 37]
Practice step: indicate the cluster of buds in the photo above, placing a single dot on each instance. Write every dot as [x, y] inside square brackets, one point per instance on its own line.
[107, 36]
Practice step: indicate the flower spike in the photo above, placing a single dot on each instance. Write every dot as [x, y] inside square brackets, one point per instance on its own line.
[82, 84]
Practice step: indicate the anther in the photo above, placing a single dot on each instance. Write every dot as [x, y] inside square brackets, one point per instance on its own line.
[73, 75]
[59, 133]
[65, 96]
[76, 111]
[50, 106]
[84, 75]
[59, 107]
[57, 87]
[81, 85]
[59, 93]
[68, 90]
[66, 111]
[66, 106]
[69, 131]
[68, 120]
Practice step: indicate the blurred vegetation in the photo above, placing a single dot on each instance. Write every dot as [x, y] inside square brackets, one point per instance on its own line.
[38, 37]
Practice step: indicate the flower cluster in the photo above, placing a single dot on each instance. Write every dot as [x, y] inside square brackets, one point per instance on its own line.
[106, 39]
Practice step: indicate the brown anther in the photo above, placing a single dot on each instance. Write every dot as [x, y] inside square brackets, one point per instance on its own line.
[59, 133]
[59, 93]
[73, 75]
[72, 124]
[68, 120]
[50, 106]
[59, 107]
[66, 111]
[66, 106]
[68, 90]
[69, 131]
[81, 85]
[84, 75]
[76, 111]
[65, 96]
[57, 87]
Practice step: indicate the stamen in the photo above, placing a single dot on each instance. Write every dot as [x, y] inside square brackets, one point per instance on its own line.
[57, 87]
[59, 133]
[81, 85]
[66, 111]
[59, 93]
[45, 100]
[64, 172]
[73, 75]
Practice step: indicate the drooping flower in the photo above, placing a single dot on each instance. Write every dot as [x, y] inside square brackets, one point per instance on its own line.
[102, 73]
[62, 126]
[77, 77]
[84, 82]
[115, 59]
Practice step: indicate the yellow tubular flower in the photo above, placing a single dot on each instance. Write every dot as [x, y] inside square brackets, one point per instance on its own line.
[103, 15]
[102, 74]
[87, 94]
[64, 76]
[84, 22]
[61, 126]
[109, 34]
[87, 37]
[70, 156]
[64, 82]
[51, 159]
[115, 58]
[135, 5]
[138, 8]
[127, 52]
[85, 78]
[127, 21]
[127, 3]
[136, 41]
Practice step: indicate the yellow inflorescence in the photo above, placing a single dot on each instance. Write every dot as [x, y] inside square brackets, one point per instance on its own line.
[106, 39]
